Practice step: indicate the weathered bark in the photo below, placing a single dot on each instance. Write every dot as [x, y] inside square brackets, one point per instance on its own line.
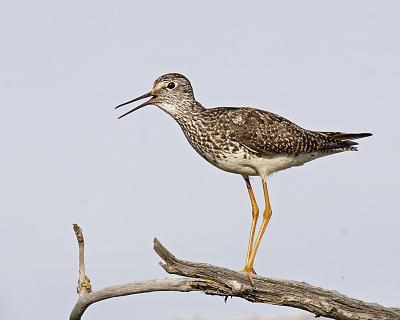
[213, 280]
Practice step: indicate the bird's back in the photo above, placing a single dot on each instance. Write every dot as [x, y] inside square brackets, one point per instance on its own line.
[264, 132]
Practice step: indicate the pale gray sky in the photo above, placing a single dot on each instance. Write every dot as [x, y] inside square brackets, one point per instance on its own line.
[328, 65]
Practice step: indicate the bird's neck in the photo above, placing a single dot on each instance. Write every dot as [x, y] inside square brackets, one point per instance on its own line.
[181, 110]
[187, 111]
[190, 120]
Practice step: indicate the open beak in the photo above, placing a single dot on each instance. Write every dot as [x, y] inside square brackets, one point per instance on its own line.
[149, 94]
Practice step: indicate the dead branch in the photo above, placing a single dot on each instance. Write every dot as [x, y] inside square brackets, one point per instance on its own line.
[213, 280]
[83, 282]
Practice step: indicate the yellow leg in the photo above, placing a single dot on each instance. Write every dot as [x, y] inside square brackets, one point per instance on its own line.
[255, 212]
[266, 216]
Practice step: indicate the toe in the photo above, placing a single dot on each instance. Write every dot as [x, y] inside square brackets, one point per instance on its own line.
[249, 272]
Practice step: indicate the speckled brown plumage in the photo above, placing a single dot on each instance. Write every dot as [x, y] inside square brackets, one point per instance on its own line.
[243, 134]
[243, 140]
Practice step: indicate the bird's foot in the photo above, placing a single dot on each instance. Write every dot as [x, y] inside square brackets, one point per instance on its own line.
[249, 270]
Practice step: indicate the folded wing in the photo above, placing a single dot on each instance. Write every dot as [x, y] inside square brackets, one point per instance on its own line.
[267, 133]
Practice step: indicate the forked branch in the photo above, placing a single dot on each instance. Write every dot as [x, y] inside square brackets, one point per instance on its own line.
[213, 280]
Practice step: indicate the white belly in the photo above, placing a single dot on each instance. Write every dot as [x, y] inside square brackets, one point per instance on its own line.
[242, 163]
[235, 158]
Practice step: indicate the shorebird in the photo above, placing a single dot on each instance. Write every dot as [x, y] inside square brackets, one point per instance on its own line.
[243, 140]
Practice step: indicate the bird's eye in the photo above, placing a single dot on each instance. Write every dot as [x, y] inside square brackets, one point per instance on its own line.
[171, 85]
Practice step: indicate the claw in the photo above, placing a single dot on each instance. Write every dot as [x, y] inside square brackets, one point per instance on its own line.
[250, 272]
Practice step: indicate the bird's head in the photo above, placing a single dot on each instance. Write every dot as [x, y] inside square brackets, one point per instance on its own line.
[171, 92]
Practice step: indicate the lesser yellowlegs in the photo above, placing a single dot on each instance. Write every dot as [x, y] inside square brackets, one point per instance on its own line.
[243, 140]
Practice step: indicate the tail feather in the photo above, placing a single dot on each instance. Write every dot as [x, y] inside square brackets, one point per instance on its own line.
[342, 141]
[340, 145]
[346, 136]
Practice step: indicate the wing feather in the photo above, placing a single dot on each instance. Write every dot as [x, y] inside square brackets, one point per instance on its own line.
[268, 133]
